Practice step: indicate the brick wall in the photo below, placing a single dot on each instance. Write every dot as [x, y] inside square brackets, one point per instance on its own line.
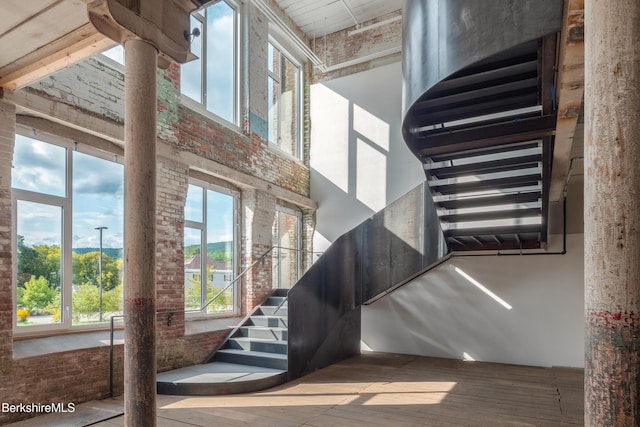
[258, 211]
[340, 47]
[93, 90]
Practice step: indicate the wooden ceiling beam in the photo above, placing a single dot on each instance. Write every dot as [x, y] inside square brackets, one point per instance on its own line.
[81, 43]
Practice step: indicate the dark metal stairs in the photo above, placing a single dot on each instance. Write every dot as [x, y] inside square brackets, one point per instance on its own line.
[485, 139]
[252, 357]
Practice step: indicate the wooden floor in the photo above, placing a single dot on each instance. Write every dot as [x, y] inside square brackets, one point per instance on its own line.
[394, 390]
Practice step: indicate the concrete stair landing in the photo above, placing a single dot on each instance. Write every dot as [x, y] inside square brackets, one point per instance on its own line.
[253, 357]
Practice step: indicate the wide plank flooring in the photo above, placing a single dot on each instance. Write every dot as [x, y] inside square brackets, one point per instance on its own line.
[394, 390]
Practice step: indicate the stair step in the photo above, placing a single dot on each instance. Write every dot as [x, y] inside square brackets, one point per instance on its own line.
[280, 292]
[254, 358]
[272, 300]
[269, 310]
[256, 344]
[264, 332]
[269, 321]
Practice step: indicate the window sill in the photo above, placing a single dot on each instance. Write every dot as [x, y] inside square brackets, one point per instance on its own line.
[24, 347]
[273, 147]
[198, 108]
[31, 347]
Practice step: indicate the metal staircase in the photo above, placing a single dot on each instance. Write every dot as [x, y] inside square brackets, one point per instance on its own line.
[261, 339]
[252, 357]
[485, 138]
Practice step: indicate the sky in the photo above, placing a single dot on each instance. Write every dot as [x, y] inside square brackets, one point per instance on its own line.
[220, 58]
[97, 198]
[97, 195]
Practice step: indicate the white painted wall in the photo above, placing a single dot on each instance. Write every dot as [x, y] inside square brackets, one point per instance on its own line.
[442, 314]
[359, 161]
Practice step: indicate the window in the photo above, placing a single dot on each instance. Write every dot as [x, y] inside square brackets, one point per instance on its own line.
[283, 101]
[286, 255]
[210, 249]
[211, 80]
[115, 53]
[69, 226]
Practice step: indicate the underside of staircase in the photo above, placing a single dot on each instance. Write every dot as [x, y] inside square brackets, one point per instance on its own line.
[253, 357]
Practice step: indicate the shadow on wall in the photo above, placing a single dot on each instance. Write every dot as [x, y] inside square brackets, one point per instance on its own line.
[359, 162]
[524, 310]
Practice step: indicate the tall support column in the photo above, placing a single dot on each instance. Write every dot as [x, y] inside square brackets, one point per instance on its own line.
[612, 213]
[140, 234]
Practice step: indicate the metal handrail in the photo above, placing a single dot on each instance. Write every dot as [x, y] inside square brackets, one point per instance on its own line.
[170, 313]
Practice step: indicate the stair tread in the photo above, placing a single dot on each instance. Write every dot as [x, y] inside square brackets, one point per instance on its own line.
[254, 353]
[263, 340]
[274, 328]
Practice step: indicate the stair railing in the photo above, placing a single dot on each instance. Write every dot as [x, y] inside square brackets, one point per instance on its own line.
[171, 313]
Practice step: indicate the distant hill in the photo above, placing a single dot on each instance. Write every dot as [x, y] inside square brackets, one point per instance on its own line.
[211, 248]
[110, 252]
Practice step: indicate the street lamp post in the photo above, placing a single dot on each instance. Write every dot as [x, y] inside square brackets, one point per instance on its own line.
[100, 268]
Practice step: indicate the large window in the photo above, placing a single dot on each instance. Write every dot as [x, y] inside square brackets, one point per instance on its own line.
[283, 100]
[209, 249]
[287, 242]
[211, 80]
[68, 208]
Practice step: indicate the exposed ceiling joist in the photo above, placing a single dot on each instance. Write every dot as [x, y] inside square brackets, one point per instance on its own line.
[68, 49]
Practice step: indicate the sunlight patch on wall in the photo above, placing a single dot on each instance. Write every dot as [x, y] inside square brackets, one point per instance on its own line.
[330, 136]
[483, 288]
[371, 127]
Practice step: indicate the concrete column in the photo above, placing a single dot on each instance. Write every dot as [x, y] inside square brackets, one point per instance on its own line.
[140, 234]
[7, 142]
[612, 213]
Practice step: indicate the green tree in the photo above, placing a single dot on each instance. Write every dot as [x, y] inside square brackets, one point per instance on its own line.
[86, 270]
[28, 262]
[85, 301]
[37, 295]
[49, 260]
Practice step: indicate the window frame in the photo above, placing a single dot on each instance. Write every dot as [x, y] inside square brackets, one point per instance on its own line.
[298, 250]
[276, 41]
[201, 106]
[202, 227]
[66, 245]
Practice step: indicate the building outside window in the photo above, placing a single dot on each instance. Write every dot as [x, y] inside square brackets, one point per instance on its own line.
[284, 100]
[210, 249]
[65, 199]
[287, 242]
[211, 80]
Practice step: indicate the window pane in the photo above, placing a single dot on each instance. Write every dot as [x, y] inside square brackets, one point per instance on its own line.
[192, 269]
[98, 206]
[116, 53]
[273, 58]
[288, 140]
[39, 268]
[273, 91]
[39, 167]
[191, 72]
[286, 236]
[220, 54]
[193, 210]
[220, 243]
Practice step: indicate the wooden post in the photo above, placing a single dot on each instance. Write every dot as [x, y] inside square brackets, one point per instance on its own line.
[612, 213]
[140, 234]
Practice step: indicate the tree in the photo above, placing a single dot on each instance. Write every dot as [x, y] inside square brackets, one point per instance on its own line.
[49, 259]
[37, 295]
[86, 271]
